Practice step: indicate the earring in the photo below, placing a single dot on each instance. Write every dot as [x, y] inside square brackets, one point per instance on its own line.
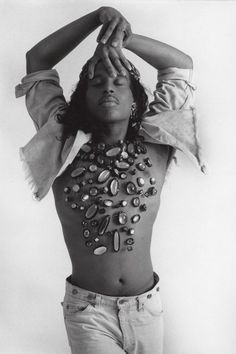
[133, 111]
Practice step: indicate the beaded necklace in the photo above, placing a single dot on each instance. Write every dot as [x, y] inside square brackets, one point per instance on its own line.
[95, 186]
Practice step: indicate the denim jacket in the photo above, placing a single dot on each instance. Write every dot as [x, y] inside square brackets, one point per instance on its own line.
[169, 120]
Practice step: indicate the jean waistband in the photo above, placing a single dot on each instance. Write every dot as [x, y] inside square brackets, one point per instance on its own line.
[96, 299]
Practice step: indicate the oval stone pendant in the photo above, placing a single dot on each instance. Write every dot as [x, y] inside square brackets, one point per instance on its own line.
[122, 218]
[113, 152]
[116, 241]
[91, 211]
[122, 165]
[86, 148]
[78, 172]
[114, 187]
[140, 181]
[135, 218]
[103, 176]
[99, 250]
[104, 225]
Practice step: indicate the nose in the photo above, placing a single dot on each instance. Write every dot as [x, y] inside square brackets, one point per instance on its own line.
[108, 86]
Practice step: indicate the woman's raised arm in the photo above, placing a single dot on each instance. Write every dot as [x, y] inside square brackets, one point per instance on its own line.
[52, 49]
[158, 54]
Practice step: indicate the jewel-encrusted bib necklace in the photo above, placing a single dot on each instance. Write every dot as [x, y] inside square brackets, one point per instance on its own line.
[94, 191]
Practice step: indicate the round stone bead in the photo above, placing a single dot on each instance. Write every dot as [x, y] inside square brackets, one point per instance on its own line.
[74, 206]
[76, 188]
[129, 241]
[152, 180]
[88, 243]
[67, 190]
[86, 233]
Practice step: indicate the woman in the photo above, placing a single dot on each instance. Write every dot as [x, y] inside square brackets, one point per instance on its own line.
[106, 156]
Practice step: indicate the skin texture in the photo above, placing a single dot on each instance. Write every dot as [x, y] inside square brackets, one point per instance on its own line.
[122, 273]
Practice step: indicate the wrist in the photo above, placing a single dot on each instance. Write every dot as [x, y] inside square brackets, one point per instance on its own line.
[127, 42]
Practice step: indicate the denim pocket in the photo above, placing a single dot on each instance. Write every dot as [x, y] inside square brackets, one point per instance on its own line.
[75, 307]
[154, 305]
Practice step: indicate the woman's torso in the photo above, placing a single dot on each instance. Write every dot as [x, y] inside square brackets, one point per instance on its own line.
[111, 212]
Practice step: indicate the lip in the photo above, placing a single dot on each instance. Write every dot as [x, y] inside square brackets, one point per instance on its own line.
[108, 100]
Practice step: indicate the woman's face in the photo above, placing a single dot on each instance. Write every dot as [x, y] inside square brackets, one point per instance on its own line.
[109, 99]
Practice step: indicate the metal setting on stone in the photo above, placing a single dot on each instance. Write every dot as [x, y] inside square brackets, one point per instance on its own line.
[136, 201]
[114, 187]
[129, 241]
[91, 211]
[148, 162]
[140, 181]
[93, 168]
[152, 180]
[122, 218]
[135, 218]
[93, 191]
[131, 188]
[113, 152]
[76, 188]
[100, 250]
[84, 197]
[116, 240]
[143, 207]
[103, 176]
[140, 166]
[86, 148]
[104, 225]
[74, 206]
[78, 172]
[86, 233]
[107, 202]
[122, 165]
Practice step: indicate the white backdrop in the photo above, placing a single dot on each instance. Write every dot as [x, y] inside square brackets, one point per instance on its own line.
[193, 241]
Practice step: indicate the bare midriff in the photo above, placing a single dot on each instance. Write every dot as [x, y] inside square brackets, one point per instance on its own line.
[108, 231]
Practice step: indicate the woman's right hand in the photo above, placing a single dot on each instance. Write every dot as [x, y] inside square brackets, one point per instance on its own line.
[116, 29]
[113, 60]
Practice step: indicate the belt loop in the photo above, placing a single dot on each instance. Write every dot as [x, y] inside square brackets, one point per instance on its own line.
[140, 305]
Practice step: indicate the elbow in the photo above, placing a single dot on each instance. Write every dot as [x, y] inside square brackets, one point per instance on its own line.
[34, 62]
[188, 62]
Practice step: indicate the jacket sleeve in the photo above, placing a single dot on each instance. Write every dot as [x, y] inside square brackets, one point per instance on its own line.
[171, 116]
[43, 95]
[46, 155]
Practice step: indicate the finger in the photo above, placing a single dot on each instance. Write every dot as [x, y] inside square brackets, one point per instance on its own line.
[118, 35]
[116, 62]
[91, 67]
[109, 31]
[102, 31]
[123, 59]
[108, 66]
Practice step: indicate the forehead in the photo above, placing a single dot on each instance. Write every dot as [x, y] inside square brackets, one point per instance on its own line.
[100, 70]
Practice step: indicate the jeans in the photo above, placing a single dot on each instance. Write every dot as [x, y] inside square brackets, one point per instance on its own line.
[103, 324]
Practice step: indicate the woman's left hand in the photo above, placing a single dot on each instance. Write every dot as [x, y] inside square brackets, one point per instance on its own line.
[112, 58]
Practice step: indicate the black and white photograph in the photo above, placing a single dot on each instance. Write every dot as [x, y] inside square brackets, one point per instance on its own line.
[118, 176]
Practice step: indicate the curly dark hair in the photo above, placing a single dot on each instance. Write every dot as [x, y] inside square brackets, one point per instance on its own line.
[77, 117]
